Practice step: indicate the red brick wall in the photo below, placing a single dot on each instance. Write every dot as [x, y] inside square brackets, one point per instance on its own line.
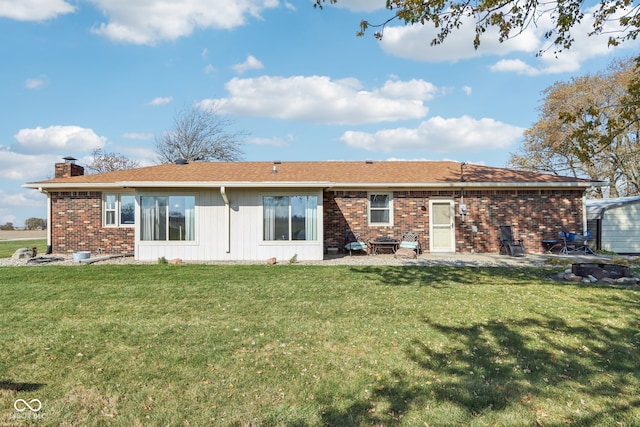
[76, 218]
[76, 225]
[533, 214]
[66, 170]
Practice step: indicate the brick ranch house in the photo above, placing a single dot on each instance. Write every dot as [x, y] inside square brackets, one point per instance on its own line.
[258, 210]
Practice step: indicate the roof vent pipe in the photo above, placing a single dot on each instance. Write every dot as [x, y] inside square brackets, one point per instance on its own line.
[275, 168]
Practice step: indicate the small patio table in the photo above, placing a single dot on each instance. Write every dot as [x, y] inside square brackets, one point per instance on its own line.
[377, 245]
[550, 245]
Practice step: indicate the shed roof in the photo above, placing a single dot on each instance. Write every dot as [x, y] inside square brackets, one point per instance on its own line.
[316, 174]
[597, 207]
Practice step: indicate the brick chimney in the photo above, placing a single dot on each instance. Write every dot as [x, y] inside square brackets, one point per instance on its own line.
[68, 168]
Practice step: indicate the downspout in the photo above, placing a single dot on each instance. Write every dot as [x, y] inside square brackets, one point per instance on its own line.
[49, 246]
[227, 220]
[584, 213]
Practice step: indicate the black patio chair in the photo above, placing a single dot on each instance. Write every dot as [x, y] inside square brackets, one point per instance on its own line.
[352, 242]
[508, 244]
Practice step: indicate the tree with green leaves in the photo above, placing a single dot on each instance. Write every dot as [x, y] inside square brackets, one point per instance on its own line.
[199, 134]
[589, 127]
[35, 223]
[511, 17]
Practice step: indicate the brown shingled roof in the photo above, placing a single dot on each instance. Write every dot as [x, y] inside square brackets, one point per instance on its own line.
[336, 173]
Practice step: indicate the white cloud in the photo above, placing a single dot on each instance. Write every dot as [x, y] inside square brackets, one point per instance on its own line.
[160, 101]
[318, 99]
[251, 63]
[29, 198]
[274, 141]
[583, 48]
[33, 159]
[209, 69]
[439, 135]
[515, 66]
[35, 83]
[62, 140]
[412, 89]
[467, 90]
[25, 167]
[138, 136]
[6, 218]
[413, 42]
[150, 21]
[17, 207]
[360, 5]
[34, 10]
[144, 155]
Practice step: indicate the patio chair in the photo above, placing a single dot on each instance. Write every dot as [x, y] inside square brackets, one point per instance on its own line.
[568, 242]
[352, 242]
[511, 246]
[582, 243]
[410, 241]
[572, 242]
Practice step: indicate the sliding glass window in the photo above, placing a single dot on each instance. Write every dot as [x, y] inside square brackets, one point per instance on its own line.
[167, 218]
[290, 217]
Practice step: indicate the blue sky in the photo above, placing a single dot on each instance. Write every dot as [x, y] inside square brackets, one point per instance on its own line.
[85, 74]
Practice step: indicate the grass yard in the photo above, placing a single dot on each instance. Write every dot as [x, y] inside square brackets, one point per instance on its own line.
[295, 345]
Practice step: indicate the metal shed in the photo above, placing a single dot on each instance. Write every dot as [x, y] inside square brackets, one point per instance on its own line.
[615, 223]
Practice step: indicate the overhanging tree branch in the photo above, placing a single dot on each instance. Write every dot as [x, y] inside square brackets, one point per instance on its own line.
[510, 18]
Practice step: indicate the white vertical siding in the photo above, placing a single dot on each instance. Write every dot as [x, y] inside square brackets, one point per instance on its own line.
[621, 228]
[246, 242]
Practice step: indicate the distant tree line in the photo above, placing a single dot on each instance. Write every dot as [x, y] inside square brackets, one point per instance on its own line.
[35, 224]
[29, 224]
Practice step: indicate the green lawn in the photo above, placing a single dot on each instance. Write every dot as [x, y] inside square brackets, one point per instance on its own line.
[296, 345]
[8, 247]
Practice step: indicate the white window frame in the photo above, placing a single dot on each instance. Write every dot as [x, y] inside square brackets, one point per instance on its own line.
[290, 240]
[117, 210]
[168, 241]
[390, 208]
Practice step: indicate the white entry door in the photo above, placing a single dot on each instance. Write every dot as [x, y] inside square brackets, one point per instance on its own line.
[441, 226]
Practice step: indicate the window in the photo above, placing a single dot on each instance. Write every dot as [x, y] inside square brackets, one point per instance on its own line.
[127, 209]
[167, 218]
[380, 209]
[110, 202]
[290, 217]
[119, 210]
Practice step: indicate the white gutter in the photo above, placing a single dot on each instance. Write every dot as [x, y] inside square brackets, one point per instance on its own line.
[307, 184]
[49, 247]
[227, 219]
